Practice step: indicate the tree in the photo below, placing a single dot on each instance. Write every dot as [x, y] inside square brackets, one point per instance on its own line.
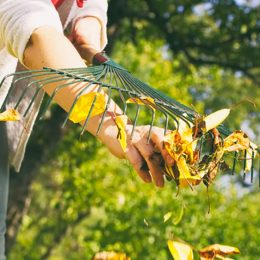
[223, 33]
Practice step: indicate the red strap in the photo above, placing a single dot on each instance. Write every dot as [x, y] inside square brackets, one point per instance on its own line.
[80, 3]
[57, 3]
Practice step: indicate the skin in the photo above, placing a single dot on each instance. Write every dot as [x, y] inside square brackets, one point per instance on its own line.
[48, 47]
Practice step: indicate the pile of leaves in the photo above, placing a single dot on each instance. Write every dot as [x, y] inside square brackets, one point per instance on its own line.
[180, 250]
[198, 150]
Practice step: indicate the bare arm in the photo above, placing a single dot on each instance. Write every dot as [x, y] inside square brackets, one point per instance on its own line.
[47, 47]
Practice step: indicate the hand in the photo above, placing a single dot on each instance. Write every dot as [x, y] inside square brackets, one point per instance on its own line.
[146, 158]
[86, 37]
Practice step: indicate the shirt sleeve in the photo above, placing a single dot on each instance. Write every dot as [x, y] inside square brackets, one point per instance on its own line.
[18, 19]
[98, 9]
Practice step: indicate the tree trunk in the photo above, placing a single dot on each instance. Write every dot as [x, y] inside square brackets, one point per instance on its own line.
[45, 136]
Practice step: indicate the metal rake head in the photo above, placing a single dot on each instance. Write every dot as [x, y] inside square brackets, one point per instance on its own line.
[119, 84]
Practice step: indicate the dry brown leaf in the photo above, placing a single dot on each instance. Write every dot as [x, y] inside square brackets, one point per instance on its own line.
[217, 250]
[236, 141]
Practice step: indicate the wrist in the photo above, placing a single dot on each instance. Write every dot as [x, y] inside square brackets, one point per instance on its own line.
[108, 133]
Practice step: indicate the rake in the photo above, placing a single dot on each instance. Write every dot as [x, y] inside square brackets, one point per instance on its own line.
[121, 85]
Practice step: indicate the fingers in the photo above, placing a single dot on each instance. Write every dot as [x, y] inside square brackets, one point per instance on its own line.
[137, 161]
[152, 161]
[144, 158]
[157, 136]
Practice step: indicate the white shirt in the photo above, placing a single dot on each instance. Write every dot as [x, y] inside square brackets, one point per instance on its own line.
[18, 19]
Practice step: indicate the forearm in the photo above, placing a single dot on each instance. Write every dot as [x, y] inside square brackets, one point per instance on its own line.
[86, 37]
[49, 48]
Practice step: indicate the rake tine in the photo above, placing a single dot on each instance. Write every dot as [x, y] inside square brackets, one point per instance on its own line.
[120, 93]
[90, 111]
[104, 113]
[15, 81]
[45, 82]
[151, 126]
[252, 166]
[50, 99]
[88, 116]
[166, 124]
[244, 166]
[31, 102]
[234, 163]
[36, 82]
[259, 171]
[78, 96]
[106, 108]
[73, 105]
[135, 120]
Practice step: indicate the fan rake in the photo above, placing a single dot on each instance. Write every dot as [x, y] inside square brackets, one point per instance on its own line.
[119, 84]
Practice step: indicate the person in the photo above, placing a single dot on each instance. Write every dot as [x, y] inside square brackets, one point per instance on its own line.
[33, 32]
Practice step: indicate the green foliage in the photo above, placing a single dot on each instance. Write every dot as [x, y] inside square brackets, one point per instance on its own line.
[85, 200]
[223, 33]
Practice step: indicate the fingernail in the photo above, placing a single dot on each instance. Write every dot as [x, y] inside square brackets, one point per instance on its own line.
[147, 179]
[160, 183]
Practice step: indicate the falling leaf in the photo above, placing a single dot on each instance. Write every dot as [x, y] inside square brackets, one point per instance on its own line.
[215, 119]
[178, 219]
[180, 250]
[142, 101]
[10, 115]
[110, 256]
[167, 216]
[146, 222]
[93, 101]
[236, 141]
[121, 136]
[218, 251]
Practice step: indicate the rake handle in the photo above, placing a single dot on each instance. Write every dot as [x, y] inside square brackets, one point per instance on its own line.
[99, 58]
[93, 56]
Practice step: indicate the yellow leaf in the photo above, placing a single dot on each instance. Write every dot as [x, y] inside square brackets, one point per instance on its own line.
[178, 219]
[110, 256]
[215, 119]
[185, 178]
[169, 170]
[217, 250]
[182, 125]
[236, 141]
[178, 144]
[142, 101]
[172, 142]
[180, 250]
[167, 216]
[85, 103]
[10, 115]
[121, 136]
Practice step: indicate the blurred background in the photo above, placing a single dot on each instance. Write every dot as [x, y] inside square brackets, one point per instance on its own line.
[73, 199]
